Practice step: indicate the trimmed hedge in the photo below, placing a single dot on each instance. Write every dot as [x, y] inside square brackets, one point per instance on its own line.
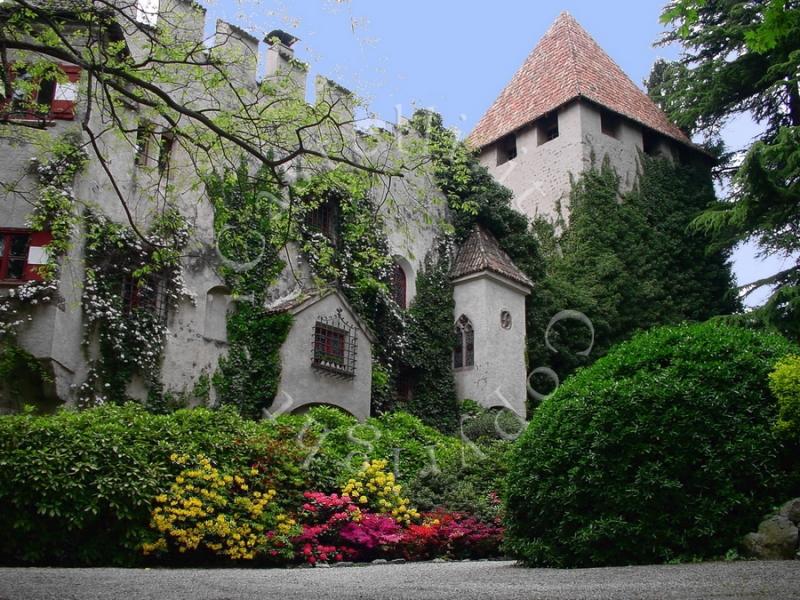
[77, 487]
[665, 449]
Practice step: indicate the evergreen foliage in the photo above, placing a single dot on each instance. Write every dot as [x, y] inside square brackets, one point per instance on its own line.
[664, 449]
[631, 263]
[430, 342]
[744, 58]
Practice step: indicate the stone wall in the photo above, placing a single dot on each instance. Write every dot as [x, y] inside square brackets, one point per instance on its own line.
[302, 384]
[498, 377]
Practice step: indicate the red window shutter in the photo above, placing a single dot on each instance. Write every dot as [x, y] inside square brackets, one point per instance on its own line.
[36, 241]
[66, 95]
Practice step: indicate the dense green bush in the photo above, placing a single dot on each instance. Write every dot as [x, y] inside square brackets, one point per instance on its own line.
[341, 443]
[784, 382]
[470, 480]
[78, 487]
[665, 449]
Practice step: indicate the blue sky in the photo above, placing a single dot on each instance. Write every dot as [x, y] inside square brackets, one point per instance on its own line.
[456, 57]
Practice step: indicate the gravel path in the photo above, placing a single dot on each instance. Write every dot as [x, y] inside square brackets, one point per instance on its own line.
[460, 580]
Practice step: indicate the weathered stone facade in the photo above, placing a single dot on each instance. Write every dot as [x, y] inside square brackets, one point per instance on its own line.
[196, 338]
[568, 107]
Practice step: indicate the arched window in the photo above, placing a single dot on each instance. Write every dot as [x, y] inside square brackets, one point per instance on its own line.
[217, 302]
[398, 285]
[464, 352]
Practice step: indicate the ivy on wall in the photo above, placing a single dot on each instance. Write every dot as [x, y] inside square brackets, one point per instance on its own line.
[358, 259]
[248, 220]
[473, 196]
[430, 343]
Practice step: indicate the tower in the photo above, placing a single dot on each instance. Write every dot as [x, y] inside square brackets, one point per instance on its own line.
[569, 104]
[489, 292]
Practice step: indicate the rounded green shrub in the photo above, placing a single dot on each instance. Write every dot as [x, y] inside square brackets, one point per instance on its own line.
[784, 382]
[665, 449]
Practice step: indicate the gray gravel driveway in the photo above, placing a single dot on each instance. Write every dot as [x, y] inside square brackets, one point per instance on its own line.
[458, 581]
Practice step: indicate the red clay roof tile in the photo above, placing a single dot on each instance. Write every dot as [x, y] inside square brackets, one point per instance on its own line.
[568, 64]
[482, 252]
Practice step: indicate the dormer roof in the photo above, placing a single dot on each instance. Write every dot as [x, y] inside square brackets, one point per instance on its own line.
[567, 64]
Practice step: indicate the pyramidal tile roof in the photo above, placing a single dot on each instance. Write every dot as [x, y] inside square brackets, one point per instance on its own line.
[482, 252]
[567, 64]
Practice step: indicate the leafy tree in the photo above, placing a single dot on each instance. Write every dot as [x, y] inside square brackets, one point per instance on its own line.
[744, 58]
[141, 68]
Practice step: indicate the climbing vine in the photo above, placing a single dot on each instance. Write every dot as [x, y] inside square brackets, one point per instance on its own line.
[431, 340]
[129, 286]
[473, 196]
[248, 221]
[355, 254]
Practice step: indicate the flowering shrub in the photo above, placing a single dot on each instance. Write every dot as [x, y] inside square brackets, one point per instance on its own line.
[322, 517]
[225, 514]
[455, 535]
[373, 487]
[87, 488]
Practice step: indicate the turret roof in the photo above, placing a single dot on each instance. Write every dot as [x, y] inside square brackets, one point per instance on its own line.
[568, 64]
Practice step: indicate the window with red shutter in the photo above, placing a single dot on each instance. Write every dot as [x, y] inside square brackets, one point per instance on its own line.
[37, 254]
[48, 99]
[22, 253]
[66, 94]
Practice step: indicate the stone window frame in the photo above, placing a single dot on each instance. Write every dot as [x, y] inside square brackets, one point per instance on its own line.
[464, 350]
[399, 285]
[507, 148]
[334, 346]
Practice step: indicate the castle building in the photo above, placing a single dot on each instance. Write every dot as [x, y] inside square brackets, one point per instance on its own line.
[567, 106]
[570, 105]
[327, 356]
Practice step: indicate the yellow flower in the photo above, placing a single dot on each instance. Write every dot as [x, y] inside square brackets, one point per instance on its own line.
[363, 500]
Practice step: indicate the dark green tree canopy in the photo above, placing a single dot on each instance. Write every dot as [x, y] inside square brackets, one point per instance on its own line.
[744, 58]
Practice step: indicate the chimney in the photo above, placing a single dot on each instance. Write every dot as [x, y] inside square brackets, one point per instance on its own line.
[282, 67]
[239, 50]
